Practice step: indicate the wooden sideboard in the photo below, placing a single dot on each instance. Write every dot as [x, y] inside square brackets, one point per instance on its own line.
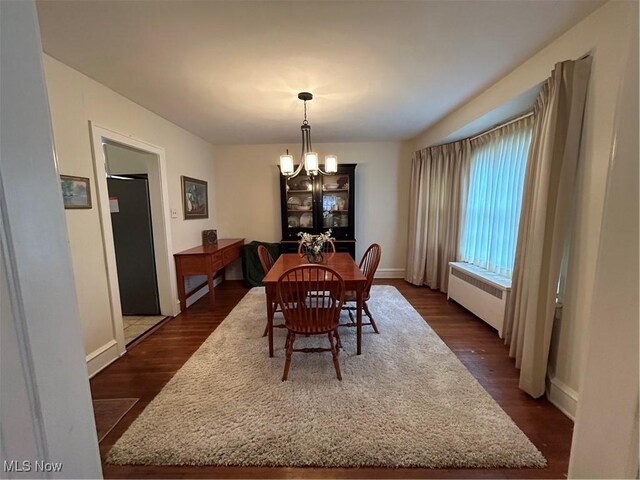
[205, 260]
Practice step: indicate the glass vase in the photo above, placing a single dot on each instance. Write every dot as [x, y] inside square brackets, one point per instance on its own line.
[314, 257]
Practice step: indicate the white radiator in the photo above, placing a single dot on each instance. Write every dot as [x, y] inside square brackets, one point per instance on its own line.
[483, 293]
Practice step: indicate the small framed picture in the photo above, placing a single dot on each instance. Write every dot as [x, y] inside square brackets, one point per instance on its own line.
[195, 198]
[76, 191]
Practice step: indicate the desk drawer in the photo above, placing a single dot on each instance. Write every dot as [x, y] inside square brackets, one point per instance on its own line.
[216, 261]
[193, 264]
[230, 254]
[200, 264]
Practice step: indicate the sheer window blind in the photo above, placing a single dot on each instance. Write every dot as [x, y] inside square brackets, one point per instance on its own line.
[492, 213]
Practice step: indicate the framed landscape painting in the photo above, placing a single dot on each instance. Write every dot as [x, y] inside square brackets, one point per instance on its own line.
[76, 192]
[195, 198]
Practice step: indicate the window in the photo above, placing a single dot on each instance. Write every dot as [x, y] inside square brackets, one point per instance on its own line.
[490, 224]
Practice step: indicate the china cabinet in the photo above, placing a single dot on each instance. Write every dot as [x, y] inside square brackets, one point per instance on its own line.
[316, 204]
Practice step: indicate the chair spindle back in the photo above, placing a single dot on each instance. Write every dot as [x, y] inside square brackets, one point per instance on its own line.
[369, 265]
[266, 260]
[322, 290]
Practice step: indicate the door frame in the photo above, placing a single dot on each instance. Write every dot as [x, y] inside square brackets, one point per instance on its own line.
[165, 267]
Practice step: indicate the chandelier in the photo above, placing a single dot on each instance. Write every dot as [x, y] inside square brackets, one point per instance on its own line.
[309, 158]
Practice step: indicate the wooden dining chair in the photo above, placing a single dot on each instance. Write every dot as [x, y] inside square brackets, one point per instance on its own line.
[267, 261]
[328, 247]
[319, 314]
[368, 266]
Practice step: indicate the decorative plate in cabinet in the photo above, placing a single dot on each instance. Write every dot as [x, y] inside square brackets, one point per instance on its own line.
[306, 220]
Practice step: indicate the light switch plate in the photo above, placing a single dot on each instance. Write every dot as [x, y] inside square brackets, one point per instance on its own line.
[174, 213]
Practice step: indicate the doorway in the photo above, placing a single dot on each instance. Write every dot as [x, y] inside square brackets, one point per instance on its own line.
[132, 228]
[132, 193]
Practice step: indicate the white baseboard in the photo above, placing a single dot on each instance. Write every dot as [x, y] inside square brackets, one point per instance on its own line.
[390, 273]
[198, 295]
[562, 396]
[202, 292]
[103, 356]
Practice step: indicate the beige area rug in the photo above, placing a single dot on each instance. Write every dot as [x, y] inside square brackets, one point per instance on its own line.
[406, 402]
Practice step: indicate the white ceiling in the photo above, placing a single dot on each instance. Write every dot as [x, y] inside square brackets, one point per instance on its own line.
[230, 71]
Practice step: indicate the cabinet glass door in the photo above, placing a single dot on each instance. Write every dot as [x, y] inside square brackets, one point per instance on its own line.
[335, 201]
[300, 202]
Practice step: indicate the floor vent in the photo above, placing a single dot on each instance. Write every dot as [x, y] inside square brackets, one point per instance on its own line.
[476, 282]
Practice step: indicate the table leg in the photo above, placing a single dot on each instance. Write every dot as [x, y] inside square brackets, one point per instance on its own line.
[212, 293]
[359, 305]
[270, 314]
[182, 294]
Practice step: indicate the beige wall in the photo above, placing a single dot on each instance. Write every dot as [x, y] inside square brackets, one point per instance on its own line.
[605, 437]
[75, 100]
[122, 160]
[604, 34]
[248, 195]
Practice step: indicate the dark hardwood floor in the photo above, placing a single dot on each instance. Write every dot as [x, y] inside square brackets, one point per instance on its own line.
[149, 365]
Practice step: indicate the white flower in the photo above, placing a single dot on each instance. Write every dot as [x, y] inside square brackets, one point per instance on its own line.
[314, 243]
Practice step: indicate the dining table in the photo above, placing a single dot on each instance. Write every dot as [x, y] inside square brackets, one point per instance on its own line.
[342, 263]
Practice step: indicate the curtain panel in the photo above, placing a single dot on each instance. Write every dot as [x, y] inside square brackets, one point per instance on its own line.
[439, 181]
[545, 219]
[490, 226]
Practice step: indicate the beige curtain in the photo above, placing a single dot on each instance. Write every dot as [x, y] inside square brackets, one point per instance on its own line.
[439, 180]
[546, 206]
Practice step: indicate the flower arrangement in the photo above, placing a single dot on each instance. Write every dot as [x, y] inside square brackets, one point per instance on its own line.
[312, 244]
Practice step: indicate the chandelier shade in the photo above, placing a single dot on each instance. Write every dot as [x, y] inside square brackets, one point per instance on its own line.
[309, 160]
[286, 164]
[331, 163]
